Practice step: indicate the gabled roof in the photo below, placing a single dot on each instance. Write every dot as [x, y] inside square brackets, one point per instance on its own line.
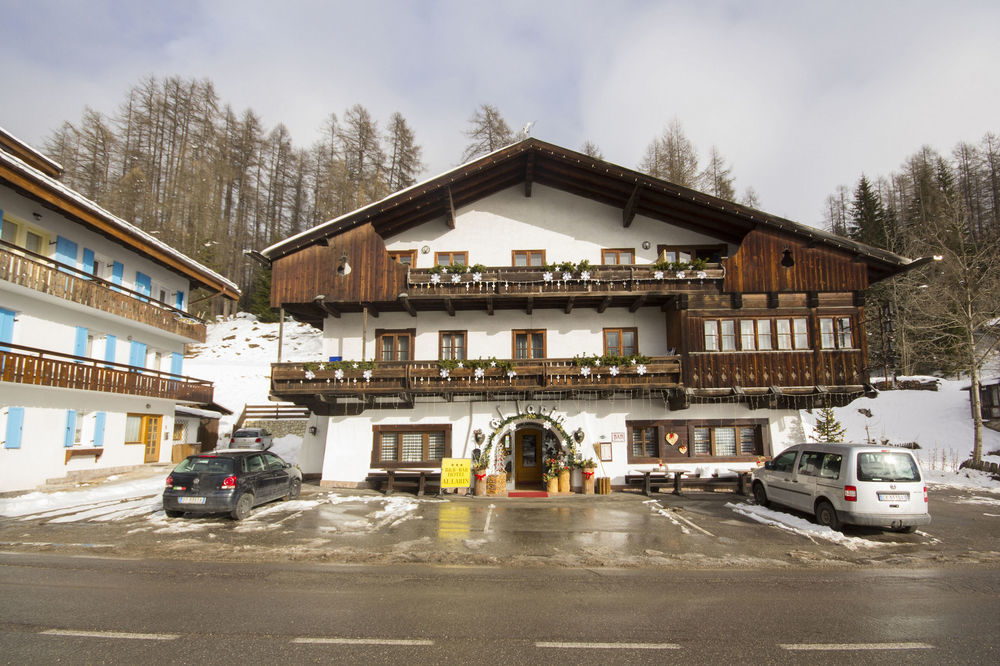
[39, 185]
[533, 161]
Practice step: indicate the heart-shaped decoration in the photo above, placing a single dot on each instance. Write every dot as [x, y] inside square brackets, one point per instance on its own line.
[671, 438]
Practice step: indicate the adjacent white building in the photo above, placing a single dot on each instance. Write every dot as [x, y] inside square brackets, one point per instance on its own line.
[94, 316]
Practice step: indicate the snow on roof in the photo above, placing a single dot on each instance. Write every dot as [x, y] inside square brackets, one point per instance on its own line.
[130, 229]
[48, 161]
[184, 410]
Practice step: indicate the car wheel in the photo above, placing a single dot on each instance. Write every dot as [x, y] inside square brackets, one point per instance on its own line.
[294, 488]
[171, 513]
[759, 494]
[907, 529]
[243, 506]
[827, 515]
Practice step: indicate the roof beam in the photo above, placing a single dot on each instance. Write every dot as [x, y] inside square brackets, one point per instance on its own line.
[605, 302]
[529, 306]
[329, 309]
[628, 213]
[449, 305]
[637, 303]
[489, 305]
[371, 309]
[529, 174]
[450, 217]
[569, 304]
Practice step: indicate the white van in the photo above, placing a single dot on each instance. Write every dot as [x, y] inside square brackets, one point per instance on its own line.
[846, 483]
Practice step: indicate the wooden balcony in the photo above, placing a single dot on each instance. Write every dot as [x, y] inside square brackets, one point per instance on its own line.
[330, 389]
[38, 367]
[27, 269]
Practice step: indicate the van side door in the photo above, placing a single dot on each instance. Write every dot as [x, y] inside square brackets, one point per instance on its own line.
[780, 478]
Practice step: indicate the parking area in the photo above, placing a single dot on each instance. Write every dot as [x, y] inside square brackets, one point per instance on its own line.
[123, 517]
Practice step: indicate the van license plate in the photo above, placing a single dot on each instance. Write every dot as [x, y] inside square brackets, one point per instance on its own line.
[894, 497]
[191, 500]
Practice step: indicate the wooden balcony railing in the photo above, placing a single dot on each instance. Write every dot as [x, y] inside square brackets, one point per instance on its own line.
[292, 381]
[512, 280]
[31, 270]
[39, 367]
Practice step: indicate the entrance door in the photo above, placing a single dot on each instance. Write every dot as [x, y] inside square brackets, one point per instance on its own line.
[528, 458]
[151, 437]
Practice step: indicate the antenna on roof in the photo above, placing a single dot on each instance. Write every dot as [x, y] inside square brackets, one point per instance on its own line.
[526, 130]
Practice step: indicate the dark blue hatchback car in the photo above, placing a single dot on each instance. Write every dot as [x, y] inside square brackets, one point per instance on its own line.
[230, 481]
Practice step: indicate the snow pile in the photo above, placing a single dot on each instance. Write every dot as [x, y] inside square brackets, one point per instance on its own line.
[108, 498]
[796, 525]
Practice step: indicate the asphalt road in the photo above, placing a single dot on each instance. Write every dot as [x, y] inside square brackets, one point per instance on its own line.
[68, 609]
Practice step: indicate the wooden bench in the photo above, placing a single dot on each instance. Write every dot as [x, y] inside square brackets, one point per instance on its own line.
[392, 479]
[680, 480]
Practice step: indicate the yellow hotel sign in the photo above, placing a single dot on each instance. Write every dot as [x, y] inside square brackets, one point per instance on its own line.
[456, 472]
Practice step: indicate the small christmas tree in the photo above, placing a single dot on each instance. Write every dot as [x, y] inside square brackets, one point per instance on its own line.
[828, 428]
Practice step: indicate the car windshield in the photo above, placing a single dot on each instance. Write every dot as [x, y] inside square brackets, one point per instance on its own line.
[206, 465]
[246, 433]
[887, 466]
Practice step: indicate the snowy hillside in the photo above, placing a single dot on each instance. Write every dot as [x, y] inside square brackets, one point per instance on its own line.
[239, 350]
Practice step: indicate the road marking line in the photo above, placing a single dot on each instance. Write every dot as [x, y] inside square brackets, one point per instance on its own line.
[695, 526]
[609, 646]
[489, 517]
[363, 641]
[856, 646]
[110, 634]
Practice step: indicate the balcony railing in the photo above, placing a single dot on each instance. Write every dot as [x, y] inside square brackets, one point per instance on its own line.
[31, 270]
[405, 379]
[39, 367]
[514, 280]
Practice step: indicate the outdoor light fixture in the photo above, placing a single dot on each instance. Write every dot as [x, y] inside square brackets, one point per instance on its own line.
[343, 268]
[578, 435]
[786, 258]
[312, 430]
[646, 245]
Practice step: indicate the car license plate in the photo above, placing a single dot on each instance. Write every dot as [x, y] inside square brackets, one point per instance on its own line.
[191, 500]
[894, 497]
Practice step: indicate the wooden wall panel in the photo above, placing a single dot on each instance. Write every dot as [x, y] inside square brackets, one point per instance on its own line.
[375, 277]
[756, 266]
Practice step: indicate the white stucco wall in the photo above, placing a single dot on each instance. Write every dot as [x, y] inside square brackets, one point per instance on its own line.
[567, 227]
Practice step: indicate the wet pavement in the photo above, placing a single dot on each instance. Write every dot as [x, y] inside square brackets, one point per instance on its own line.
[623, 529]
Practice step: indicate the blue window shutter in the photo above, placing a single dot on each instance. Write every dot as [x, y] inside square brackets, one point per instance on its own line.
[15, 423]
[100, 419]
[66, 251]
[180, 300]
[110, 342]
[176, 363]
[117, 271]
[6, 328]
[88, 261]
[80, 347]
[137, 354]
[70, 427]
[143, 284]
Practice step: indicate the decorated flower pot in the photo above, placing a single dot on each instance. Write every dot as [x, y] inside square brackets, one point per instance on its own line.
[552, 485]
[480, 487]
[496, 485]
[564, 481]
[588, 480]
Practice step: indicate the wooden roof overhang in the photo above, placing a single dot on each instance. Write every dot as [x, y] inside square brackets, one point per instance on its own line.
[533, 161]
[51, 194]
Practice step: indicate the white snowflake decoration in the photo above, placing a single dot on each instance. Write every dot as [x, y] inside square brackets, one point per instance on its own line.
[456, 278]
[658, 275]
[511, 374]
[367, 374]
[613, 371]
[547, 276]
[338, 374]
[435, 279]
[701, 275]
[585, 275]
[680, 275]
[480, 373]
[641, 370]
[444, 373]
[477, 277]
[585, 371]
[310, 374]
[567, 276]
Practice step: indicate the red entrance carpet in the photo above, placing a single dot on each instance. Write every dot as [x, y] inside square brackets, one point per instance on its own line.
[527, 493]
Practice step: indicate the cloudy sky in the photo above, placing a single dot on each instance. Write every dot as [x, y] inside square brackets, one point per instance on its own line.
[798, 96]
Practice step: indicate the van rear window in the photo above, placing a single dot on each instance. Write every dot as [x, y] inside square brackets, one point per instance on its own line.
[887, 466]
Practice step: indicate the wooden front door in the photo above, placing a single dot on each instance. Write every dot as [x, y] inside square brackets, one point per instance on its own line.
[528, 458]
[151, 437]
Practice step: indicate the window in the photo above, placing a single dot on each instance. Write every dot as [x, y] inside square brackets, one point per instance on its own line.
[528, 257]
[764, 334]
[18, 233]
[452, 345]
[726, 440]
[410, 445]
[133, 428]
[180, 431]
[618, 257]
[451, 258]
[720, 335]
[748, 337]
[711, 335]
[529, 344]
[621, 342]
[405, 257]
[728, 336]
[835, 333]
[644, 442]
[8, 233]
[672, 253]
[784, 462]
[824, 465]
[792, 333]
[394, 345]
[32, 242]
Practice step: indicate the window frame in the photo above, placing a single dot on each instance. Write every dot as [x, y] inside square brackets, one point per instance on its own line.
[616, 252]
[451, 258]
[378, 430]
[693, 252]
[397, 255]
[527, 257]
[621, 340]
[714, 336]
[685, 430]
[528, 332]
[381, 333]
[836, 332]
[464, 348]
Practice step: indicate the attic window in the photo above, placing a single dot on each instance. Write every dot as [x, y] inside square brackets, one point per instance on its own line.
[786, 258]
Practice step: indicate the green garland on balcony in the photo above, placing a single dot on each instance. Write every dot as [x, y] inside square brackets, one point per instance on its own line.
[347, 366]
[491, 362]
[609, 360]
